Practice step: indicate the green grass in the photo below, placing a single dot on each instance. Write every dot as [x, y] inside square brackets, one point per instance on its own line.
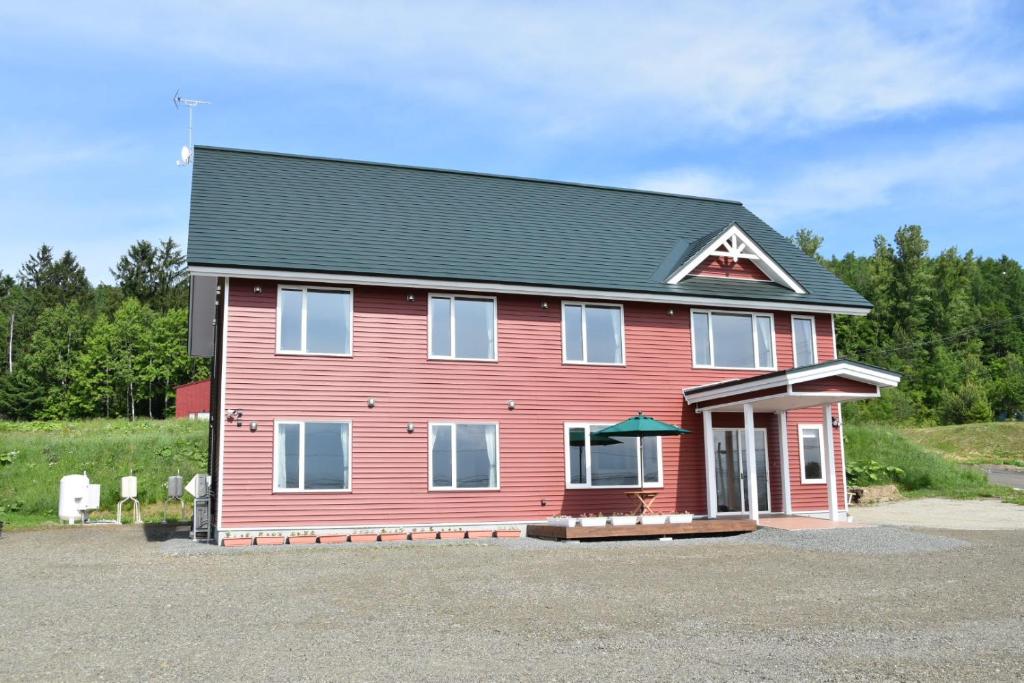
[35, 455]
[925, 472]
[989, 443]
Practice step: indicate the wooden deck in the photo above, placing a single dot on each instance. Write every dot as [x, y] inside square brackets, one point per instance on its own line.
[698, 527]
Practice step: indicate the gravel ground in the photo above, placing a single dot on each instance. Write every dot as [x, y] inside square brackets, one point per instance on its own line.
[943, 513]
[849, 604]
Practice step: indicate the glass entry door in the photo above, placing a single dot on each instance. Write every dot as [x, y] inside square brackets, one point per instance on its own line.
[731, 470]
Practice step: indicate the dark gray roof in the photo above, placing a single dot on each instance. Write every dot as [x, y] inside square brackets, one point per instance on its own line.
[309, 214]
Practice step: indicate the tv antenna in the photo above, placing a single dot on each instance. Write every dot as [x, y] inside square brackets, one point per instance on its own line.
[186, 149]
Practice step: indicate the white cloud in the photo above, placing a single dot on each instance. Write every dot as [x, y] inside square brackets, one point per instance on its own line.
[576, 69]
[982, 167]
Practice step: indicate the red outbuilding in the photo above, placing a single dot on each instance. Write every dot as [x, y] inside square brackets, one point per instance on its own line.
[192, 400]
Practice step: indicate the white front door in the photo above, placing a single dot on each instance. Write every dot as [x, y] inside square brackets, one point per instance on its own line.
[731, 470]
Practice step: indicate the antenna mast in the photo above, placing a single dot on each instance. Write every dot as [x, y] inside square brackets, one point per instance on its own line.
[179, 101]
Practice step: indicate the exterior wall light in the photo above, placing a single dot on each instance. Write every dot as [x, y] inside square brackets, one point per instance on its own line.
[410, 297]
[836, 423]
[511, 405]
[253, 426]
[257, 289]
[671, 311]
[410, 427]
[371, 402]
[544, 305]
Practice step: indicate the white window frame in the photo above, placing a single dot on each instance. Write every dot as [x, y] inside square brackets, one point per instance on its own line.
[451, 331]
[455, 467]
[583, 332]
[302, 333]
[588, 427]
[302, 422]
[821, 449]
[753, 315]
[814, 337]
[741, 445]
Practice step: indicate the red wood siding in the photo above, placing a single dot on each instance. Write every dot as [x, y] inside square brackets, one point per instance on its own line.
[836, 385]
[389, 363]
[192, 398]
[721, 266]
[813, 497]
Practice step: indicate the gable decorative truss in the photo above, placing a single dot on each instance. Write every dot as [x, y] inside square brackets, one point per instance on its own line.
[733, 243]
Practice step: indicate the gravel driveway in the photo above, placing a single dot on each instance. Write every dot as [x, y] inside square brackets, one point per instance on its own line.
[106, 603]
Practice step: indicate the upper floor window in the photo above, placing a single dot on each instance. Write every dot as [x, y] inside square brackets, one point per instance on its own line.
[312, 456]
[463, 327]
[723, 339]
[463, 456]
[805, 347]
[595, 461]
[593, 333]
[314, 320]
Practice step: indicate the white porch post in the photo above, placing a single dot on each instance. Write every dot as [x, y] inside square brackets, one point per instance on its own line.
[830, 463]
[787, 499]
[710, 479]
[751, 446]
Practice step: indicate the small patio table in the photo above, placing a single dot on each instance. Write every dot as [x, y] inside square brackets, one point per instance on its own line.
[644, 499]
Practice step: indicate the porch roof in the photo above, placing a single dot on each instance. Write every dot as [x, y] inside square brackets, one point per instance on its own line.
[811, 385]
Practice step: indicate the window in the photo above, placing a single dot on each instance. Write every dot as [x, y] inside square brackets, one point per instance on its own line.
[593, 333]
[314, 320]
[811, 457]
[805, 347]
[462, 328]
[733, 340]
[463, 456]
[595, 461]
[312, 456]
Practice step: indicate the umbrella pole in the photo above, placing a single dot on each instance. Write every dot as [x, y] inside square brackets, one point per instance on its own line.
[642, 473]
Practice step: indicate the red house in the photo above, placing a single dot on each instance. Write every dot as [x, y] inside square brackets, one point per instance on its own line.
[401, 347]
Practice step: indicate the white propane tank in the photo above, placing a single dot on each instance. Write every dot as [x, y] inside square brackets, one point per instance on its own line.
[129, 487]
[73, 491]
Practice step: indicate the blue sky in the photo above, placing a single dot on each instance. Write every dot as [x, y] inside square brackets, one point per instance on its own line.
[847, 118]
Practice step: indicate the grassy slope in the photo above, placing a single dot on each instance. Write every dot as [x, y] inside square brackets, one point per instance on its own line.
[926, 472]
[997, 443]
[106, 449]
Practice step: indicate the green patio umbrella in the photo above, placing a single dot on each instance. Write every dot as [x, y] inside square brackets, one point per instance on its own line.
[640, 426]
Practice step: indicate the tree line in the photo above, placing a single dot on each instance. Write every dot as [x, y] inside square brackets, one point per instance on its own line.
[72, 349]
[952, 324]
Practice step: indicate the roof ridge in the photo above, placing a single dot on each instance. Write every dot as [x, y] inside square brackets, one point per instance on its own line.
[479, 174]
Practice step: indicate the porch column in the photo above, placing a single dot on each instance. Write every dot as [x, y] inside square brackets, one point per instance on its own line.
[751, 446]
[787, 498]
[710, 471]
[830, 463]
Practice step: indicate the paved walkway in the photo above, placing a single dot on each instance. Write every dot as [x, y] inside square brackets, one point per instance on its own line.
[942, 513]
[1006, 476]
[804, 523]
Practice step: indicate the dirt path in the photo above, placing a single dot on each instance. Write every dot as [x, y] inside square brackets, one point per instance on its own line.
[942, 513]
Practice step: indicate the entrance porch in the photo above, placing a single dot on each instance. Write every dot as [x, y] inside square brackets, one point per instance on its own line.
[801, 408]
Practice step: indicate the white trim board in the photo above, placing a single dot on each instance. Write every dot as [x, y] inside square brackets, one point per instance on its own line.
[527, 290]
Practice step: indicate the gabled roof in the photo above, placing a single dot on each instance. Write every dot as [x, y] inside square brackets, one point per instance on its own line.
[838, 368]
[278, 212]
[734, 243]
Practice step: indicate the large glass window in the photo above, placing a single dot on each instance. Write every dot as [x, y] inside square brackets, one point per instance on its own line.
[312, 456]
[733, 340]
[592, 333]
[462, 327]
[804, 345]
[600, 461]
[812, 469]
[463, 456]
[317, 321]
